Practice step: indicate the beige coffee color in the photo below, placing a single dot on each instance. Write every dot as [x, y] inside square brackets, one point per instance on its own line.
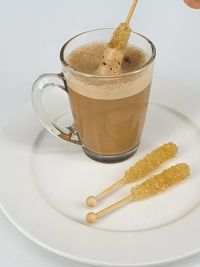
[109, 112]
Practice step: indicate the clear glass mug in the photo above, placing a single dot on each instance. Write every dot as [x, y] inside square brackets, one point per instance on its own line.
[108, 111]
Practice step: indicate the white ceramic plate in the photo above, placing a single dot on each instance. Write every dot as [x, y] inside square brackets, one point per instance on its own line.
[44, 182]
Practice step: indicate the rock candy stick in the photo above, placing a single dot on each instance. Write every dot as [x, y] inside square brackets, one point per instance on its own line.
[154, 185]
[142, 168]
[114, 52]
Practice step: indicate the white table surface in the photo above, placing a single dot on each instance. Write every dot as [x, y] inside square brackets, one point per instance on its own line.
[31, 35]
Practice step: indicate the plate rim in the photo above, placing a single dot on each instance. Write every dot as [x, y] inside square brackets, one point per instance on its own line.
[72, 257]
[85, 261]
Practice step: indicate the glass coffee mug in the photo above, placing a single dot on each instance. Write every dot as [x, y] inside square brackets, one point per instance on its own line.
[108, 111]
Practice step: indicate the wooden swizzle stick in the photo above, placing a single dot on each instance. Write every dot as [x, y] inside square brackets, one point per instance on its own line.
[155, 184]
[139, 170]
[131, 11]
[114, 52]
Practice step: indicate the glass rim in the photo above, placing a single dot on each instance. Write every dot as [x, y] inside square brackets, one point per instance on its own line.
[89, 75]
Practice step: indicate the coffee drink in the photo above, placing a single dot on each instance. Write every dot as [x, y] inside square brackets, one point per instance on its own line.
[109, 112]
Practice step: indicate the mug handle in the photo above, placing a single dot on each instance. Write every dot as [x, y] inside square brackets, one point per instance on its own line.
[41, 85]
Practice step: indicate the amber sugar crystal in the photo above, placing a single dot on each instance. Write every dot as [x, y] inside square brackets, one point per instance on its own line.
[159, 183]
[120, 37]
[151, 161]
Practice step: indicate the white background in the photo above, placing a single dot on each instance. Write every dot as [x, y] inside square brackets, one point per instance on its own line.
[31, 35]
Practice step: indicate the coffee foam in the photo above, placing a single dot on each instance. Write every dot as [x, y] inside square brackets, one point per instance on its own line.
[110, 89]
[87, 59]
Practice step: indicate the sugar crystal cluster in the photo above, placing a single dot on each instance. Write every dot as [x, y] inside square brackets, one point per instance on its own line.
[159, 183]
[151, 161]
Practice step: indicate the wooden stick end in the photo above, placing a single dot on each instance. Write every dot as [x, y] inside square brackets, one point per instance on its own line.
[91, 201]
[91, 217]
